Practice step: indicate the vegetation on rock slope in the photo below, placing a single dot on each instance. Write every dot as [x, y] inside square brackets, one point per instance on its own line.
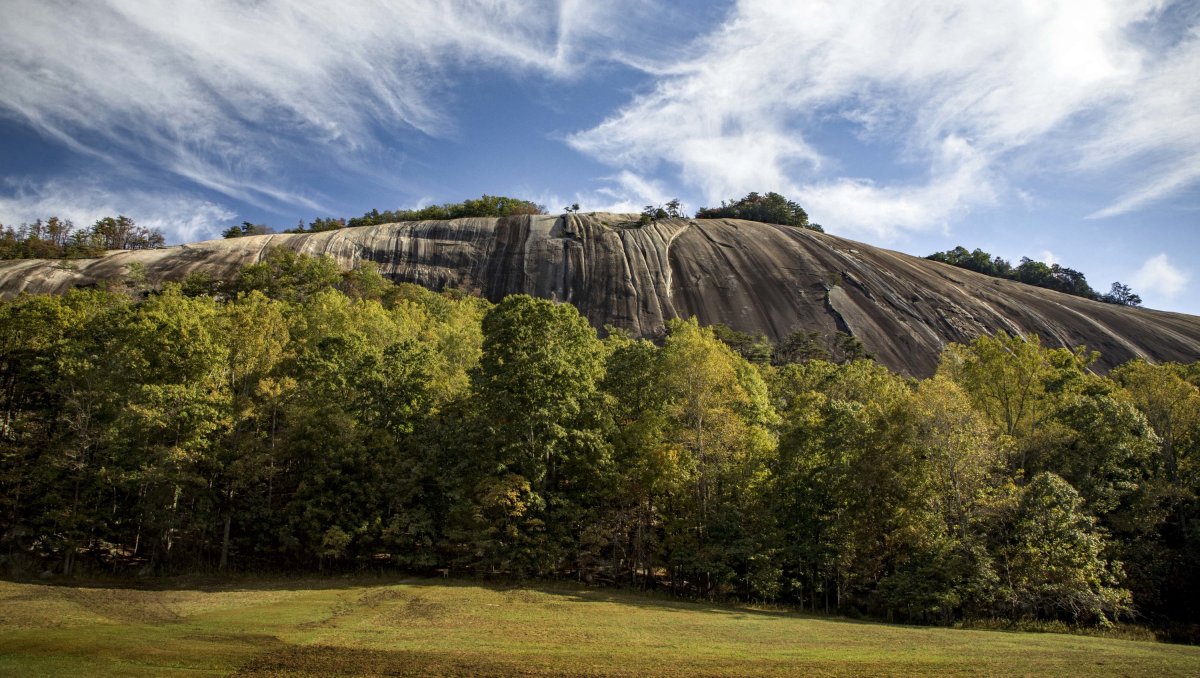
[771, 208]
[57, 238]
[1036, 273]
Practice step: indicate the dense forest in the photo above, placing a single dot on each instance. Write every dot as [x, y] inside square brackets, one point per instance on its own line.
[301, 418]
[1039, 274]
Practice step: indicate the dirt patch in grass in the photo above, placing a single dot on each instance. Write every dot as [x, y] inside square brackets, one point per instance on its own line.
[416, 608]
[255, 639]
[57, 606]
[126, 606]
[327, 660]
[323, 660]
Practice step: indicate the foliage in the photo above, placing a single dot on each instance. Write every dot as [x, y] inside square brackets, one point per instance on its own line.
[246, 228]
[539, 406]
[288, 276]
[771, 208]
[1036, 273]
[299, 417]
[672, 210]
[319, 225]
[1121, 295]
[1054, 563]
[976, 260]
[755, 348]
[484, 206]
[57, 238]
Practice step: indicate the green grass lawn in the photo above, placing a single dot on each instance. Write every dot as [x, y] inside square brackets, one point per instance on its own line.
[320, 627]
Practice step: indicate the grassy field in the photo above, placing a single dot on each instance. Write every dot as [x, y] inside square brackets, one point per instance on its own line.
[321, 627]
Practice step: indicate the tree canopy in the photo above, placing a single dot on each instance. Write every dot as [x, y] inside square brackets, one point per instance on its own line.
[57, 238]
[771, 208]
[246, 228]
[484, 206]
[304, 418]
[1036, 273]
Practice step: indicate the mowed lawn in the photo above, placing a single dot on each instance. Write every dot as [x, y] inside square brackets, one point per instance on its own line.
[322, 627]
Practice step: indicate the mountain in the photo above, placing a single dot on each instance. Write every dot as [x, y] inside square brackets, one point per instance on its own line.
[751, 276]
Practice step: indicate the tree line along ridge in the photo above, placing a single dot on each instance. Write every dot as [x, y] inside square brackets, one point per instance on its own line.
[55, 238]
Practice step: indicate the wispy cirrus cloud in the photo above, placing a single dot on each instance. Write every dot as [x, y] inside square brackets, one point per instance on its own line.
[962, 95]
[1156, 121]
[234, 95]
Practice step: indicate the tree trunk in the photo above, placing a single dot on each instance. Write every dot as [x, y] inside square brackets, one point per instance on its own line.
[225, 543]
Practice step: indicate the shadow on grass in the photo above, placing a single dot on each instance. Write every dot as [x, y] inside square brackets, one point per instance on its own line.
[517, 591]
[327, 660]
[210, 583]
[563, 590]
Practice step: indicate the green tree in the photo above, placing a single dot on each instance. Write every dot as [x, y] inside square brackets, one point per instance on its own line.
[1015, 382]
[1162, 543]
[1121, 295]
[364, 281]
[288, 276]
[717, 417]
[961, 489]
[800, 346]
[246, 228]
[771, 208]
[57, 396]
[1172, 406]
[484, 206]
[1100, 443]
[755, 348]
[256, 338]
[1053, 566]
[172, 360]
[348, 451]
[976, 260]
[646, 470]
[844, 485]
[121, 233]
[540, 408]
[1054, 277]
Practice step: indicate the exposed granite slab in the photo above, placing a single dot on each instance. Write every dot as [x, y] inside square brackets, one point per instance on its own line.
[753, 277]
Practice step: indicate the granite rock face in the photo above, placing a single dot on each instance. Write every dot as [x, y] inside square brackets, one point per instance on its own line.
[753, 277]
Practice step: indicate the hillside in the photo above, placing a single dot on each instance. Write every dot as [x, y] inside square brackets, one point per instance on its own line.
[751, 276]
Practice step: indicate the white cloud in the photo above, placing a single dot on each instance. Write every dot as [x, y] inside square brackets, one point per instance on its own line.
[235, 96]
[623, 193]
[1159, 182]
[181, 218]
[751, 105]
[1159, 276]
[231, 94]
[862, 207]
[1156, 124]
[1049, 258]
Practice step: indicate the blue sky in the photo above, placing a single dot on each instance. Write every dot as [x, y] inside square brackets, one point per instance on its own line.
[1064, 131]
